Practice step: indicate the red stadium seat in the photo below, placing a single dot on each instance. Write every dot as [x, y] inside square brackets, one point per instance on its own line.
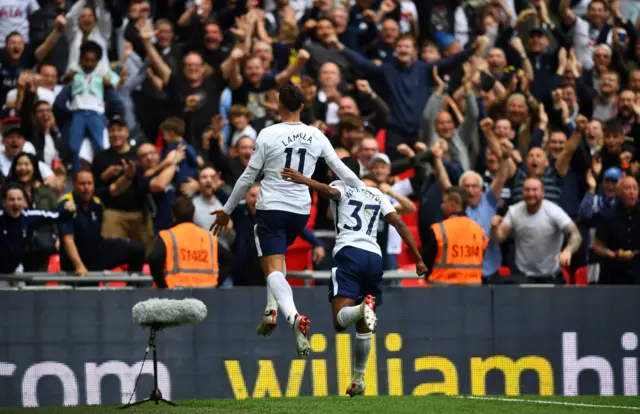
[382, 139]
[566, 273]
[504, 271]
[582, 276]
[54, 267]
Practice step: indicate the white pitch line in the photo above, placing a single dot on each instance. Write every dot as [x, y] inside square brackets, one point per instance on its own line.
[547, 402]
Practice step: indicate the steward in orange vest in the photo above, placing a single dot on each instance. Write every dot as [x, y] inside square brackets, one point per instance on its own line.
[456, 245]
[185, 255]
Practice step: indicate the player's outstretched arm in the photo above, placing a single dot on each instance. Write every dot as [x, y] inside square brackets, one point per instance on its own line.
[243, 184]
[322, 189]
[343, 172]
[403, 230]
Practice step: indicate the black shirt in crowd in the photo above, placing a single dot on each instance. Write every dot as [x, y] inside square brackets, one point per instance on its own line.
[178, 89]
[133, 199]
[620, 229]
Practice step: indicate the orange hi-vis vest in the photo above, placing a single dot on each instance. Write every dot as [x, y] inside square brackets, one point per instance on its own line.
[192, 256]
[461, 245]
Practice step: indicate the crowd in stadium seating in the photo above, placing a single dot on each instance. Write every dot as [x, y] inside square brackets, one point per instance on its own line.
[113, 108]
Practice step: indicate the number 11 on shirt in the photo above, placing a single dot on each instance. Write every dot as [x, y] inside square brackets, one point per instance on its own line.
[302, 152]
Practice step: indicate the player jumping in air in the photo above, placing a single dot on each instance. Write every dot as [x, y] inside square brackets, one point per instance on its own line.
[283, 207]
[355, 281]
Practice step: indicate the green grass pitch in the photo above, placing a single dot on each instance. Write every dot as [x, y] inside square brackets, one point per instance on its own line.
[369, 405]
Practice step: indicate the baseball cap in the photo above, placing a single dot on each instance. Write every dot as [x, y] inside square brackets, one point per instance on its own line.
[117, 119]
[11, 122]
[380, 157]
[613, 173]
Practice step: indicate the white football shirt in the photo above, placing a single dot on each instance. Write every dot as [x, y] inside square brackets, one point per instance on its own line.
[356, 216]
[14, 17]
[288, 145]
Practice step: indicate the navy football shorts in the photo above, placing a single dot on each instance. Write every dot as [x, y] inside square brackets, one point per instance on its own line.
[358, 273]
[276, 230]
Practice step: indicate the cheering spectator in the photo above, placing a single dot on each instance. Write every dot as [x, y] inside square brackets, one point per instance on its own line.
[24, 171]
[126, 215]
[82, 24]
[160, 175]
[18, 224]
[15, 60]
[47, 27]
[538, 227]
[406, 106]
[83, 247]
[617, 241]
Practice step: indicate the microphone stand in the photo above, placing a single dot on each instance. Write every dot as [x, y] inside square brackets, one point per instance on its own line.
[156, 394]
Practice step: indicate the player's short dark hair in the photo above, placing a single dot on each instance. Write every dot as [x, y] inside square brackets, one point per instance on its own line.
[291, 98]
[613, 127]
[91, 47]
[458, 195]
[352, 164]
[183, 210]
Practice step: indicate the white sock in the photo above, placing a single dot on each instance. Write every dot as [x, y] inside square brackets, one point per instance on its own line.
[349, 315]
[363, 346]
[283, 294]
[272, 304]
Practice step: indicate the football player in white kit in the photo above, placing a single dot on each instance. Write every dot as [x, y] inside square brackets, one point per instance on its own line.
[356, 280]
[283, 207]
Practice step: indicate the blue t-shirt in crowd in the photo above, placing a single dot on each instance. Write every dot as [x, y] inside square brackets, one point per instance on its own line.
[188, 168]
[482, 214]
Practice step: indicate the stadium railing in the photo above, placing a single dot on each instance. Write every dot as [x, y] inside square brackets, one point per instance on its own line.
[38, 280]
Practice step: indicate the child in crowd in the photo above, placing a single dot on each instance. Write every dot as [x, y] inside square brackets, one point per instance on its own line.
[88, 84]
[173, 132]
[239, 118]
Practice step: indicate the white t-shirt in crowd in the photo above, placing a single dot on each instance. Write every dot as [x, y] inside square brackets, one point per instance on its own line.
[585, 38]
[294, 145]
[14, 17]
[356, 216]
[5, 162]
[538, 237]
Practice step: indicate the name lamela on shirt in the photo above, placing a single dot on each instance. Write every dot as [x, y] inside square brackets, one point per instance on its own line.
[301, 136]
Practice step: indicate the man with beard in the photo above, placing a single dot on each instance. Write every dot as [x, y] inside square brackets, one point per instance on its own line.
[537, 165]
[617, 239]
[538, 227]
[13, 61]
[629, 114]
[606, 103]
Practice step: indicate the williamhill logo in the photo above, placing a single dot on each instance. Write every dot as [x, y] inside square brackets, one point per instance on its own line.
[266, 383]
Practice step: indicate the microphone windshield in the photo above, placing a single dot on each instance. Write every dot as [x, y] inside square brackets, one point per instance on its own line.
[168, 312]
